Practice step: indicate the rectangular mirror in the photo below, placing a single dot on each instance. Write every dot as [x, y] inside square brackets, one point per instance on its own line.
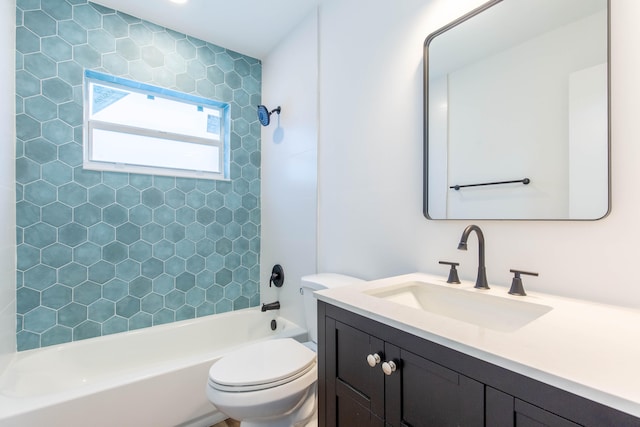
[517, 112]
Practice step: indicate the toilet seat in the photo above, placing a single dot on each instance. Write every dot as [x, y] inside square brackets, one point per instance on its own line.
[262, 365]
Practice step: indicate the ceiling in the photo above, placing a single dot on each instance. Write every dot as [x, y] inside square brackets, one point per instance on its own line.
[250, 27]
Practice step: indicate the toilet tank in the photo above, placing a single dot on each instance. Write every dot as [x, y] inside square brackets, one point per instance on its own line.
[318, 282]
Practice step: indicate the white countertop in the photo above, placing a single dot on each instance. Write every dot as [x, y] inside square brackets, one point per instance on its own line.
[589, 349]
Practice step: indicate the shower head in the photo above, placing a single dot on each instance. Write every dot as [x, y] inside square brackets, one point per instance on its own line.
[264, 115]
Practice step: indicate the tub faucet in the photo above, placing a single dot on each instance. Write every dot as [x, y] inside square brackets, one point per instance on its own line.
[271, 306]
[481, 281]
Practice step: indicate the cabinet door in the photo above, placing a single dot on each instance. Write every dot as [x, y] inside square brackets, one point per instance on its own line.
[504, 410]
[355, 391]
[422, 393]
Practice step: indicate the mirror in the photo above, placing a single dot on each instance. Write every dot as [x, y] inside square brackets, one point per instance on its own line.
[517, 112]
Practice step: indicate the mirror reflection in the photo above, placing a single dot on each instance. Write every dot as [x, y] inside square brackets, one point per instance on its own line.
[517, 112]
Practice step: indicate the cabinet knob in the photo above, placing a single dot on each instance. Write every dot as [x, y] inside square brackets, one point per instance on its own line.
[389, 367]
[373, 359]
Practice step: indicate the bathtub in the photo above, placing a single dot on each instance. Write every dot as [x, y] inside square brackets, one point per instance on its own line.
[150, 377]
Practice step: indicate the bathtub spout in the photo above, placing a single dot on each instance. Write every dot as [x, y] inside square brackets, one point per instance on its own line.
[271, 306]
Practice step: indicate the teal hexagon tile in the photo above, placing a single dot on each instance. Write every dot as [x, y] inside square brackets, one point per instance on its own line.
[164, 42]
[152, 233]
[205, 309]
[27, 84]
[185, 281]
[164, 215]
[163, 284]
[39, 277]
[101, 310]
[87, 16]
[72, 274]
[40, 150]
[233, 201]
[185, 184]
[241, 97]
[127, 49]
[57, 296]
[56, 48]
[128, 306]
[223, 277]
[205, 216]
[163, 316]
[174, 232]
[185, 49]
[232, 261]
[185, 312]
[56, 255]
[102, 234]
[57, 173]
[40, 65]
[224, 216]
[143, 182]
[195, 41]
[249, 230]
[70, 154]
[86, 178]
[26, 127]
[232, 291]
[185, 83]
[185, 248]
[195, 232]
[115, 180]
[27, 299]
[128, 18]
[115, 252]
[72, 194]
[241, 275]
[102, 272]
[115, 25]
[205, 247]
[101, 41]
[128, 233]
[163, 249]
[152, 56]
[195, 264]
[175, 198]
[223, 246]
[27, 340]
[140, 251]
[241, 216]
[27, 214]
[152, 197]
[196, 69]
[40, 235]
[72, 33]
[241, 302]
[72, 234]
[27, 41]
[40, 23]
[140, 320]
[71, 113]
[58, 9]
[174, 299]
[214, 231]
[57, 214]
[140, 286]
[87, 214]
[164, 183]
[184, 215]
[241, 245]
[70, 72]
[140, 34]
[232, 231]
[56, 131]
[173, 266]
[152, 268]
[128, 269]
[26, 170]
[128, 196]
[115, 290]
[249, 258]
[39, 319]
[141, 71]
[140, 215]
[206, 186]
[205, 279]
[27, 256]
[115, 215]
[86, 254]
[196, 199]
[224, 305]
[56, 335]
[87, 56]
[215, 200]
[87, 329]
[58, 91]
[114, 63]
[215, 262]
[223, 93]
[114, 325]
[195, 297]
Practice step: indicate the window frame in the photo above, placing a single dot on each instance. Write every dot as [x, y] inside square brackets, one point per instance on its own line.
[122, 84]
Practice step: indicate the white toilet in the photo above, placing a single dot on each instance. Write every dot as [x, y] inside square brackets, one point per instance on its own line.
[273, 383]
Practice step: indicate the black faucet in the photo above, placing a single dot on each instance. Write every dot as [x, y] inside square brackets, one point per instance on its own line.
[481, 281]
[271, 306]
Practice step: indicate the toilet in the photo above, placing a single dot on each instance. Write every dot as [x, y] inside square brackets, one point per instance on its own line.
[273, 383]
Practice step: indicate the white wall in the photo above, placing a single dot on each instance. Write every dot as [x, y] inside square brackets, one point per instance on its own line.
[289, 158]
[370, 162]
[7, 185]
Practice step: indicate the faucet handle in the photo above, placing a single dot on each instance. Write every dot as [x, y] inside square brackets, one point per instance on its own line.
[516, 283]
[453, 273]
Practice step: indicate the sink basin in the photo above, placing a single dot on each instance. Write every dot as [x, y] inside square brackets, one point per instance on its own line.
[470, 306]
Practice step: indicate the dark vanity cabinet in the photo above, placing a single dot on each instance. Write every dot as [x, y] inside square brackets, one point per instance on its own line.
[417, 383]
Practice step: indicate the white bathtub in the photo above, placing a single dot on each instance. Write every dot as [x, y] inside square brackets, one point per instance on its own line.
[150, 377]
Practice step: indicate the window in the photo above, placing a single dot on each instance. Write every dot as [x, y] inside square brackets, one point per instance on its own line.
[140, 128]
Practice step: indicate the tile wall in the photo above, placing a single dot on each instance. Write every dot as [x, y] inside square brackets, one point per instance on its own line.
[103, 252]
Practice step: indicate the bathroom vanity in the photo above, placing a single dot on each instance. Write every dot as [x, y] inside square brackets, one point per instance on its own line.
[388, 359]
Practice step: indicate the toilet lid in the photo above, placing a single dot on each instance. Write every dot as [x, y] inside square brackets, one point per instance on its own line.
[262, 365]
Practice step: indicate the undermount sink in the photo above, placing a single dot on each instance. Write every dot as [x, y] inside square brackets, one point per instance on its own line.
[470, 306]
